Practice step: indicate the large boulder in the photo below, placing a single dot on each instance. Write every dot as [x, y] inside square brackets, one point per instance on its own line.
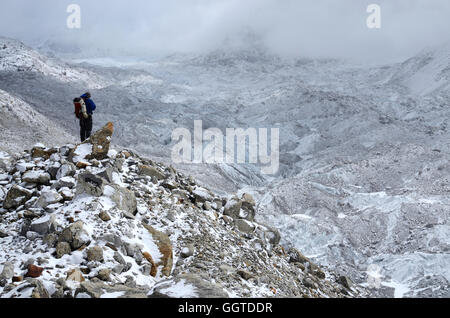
[44, 225]
[75, 235]
[233, 208]
[96, 147]
[95, 254]
[248, 210]
[124, 199]
[162, 240]
[345, 281]
[90, 184]
[63, 248]
[243, 208]
[151, 172]
[66, 170]
[16, 197]
[53, 169]
[4, 178]
[75, 275]
[202, 195]
[39, 151]
[80, 155]
[23, 166]
[296, 257]
[38, 289]
[48, 197]
[108, 173]
[7, 273]
[269, 234]
[245, 226]
[101, 141]
[37, 177]
[34, 271]
[112, 240]
[193, 287]
[65, 182]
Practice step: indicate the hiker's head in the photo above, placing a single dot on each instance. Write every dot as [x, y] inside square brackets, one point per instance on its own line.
[87, 94]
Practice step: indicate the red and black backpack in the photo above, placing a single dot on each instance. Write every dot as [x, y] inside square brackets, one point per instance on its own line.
[78, 103]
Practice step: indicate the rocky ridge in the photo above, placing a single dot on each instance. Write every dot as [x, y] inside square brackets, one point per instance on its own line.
[89, 221]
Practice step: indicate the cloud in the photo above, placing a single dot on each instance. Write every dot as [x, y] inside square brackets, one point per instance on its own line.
[325, 28]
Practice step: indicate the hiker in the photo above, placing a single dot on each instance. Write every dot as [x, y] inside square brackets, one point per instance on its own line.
[84, 109]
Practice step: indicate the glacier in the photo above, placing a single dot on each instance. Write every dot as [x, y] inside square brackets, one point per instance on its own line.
[364, 177]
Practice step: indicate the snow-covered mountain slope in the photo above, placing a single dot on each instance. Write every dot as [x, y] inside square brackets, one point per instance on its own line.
[16, 57]
[362, 158]
[426, 73]
[363, 154]
[22, 126]
[388, 211]
[90, 222]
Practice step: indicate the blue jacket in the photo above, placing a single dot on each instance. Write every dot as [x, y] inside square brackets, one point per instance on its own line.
[90, 105]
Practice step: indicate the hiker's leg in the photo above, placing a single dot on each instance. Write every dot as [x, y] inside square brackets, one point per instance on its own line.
[82, 130]
[89, 126]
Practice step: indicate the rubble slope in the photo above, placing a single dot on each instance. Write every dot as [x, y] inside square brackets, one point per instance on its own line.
[89, 221]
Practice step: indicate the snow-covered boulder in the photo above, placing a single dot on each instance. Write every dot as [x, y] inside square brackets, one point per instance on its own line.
[244, 225]
[65, 182]
[43, 225]
[202, 195]
[248, 210]
[96, 147]
[37, 177]
[48, 197]
[124, 199]
[23, 166]
[90, 184]
[7, 273]
[41, 152]
[151, 172]
[81, 153]
[233, 208]
[76, 235]
[66, 170]
[16, 197]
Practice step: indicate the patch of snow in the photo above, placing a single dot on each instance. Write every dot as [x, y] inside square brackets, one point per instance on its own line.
[113, 295]
[180, 290]
[400, 289]
[82, 151]
[302, 216]
[109, 191]
[112, 153]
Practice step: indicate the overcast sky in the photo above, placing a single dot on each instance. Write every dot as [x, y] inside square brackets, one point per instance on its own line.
[314, 28]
